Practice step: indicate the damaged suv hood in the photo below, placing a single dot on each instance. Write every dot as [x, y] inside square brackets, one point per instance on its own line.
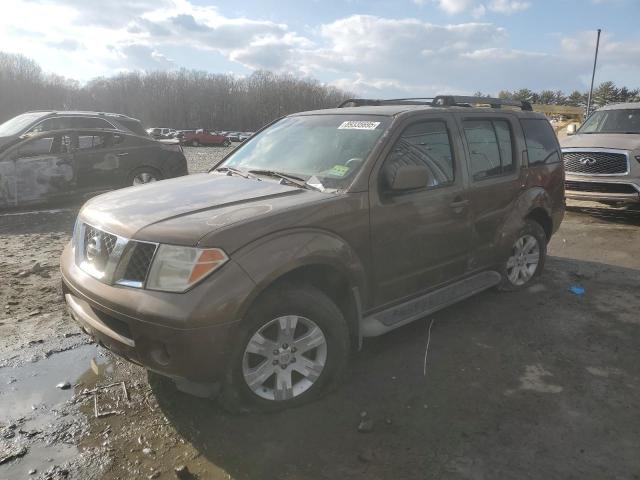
[620, 141]
[182, 210]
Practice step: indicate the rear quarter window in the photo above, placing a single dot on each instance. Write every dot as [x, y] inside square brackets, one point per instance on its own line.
[541, 141]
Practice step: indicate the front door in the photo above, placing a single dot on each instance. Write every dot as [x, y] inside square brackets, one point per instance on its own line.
[99, 157]
[420, 239]
[44, 169]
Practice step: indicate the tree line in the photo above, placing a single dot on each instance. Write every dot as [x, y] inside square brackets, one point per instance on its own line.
[195, 99]
[604, 94]
[183, 99]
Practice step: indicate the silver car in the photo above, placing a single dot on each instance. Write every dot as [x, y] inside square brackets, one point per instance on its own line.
[602, 158]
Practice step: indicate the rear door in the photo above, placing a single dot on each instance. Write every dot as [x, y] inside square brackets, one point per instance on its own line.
[99, 159]
[44, 168]
[420, 239]
[494, 169]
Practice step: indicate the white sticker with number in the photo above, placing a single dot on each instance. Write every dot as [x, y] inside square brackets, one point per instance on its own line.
[358, 125]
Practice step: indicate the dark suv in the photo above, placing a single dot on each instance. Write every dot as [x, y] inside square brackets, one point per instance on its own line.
[55, 156]
[49, 120]
[323, 228]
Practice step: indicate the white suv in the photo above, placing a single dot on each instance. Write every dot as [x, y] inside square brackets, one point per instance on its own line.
[602, 159]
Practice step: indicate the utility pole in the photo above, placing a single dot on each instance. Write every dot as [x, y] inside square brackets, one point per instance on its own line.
[593, 75]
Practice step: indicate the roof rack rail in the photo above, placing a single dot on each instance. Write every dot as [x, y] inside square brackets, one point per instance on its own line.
[361, 102]
[461, 101]
[439, 101]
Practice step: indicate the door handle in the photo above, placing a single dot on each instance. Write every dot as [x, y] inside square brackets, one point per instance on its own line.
[459, 203]
[124, 154]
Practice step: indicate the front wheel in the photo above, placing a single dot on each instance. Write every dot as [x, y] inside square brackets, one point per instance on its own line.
[226, 143]
[143, 175]
[526, 258]
[293, 348]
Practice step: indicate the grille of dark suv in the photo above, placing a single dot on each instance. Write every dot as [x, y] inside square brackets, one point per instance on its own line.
[595, 162]
[599, 187]
[139, 261]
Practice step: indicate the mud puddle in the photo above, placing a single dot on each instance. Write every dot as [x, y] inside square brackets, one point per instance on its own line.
[40, 411]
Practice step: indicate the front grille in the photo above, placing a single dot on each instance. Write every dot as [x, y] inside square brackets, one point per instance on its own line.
[600, 187]
[139, 262]
[596, 163]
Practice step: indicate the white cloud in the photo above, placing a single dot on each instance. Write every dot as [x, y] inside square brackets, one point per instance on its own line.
[362, 53]
[478, 8]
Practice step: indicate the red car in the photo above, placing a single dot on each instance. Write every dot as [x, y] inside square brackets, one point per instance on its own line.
[204, 137]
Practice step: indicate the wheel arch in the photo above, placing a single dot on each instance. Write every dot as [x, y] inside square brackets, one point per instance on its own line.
[316, 258]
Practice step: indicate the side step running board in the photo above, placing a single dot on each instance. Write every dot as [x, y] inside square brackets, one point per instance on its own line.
[399, 315]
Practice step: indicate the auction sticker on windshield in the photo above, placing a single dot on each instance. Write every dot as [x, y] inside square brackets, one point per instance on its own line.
[358, 125]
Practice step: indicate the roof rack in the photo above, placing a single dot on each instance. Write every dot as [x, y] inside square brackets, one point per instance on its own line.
[464, 101]
[361, 102]
[440, 101]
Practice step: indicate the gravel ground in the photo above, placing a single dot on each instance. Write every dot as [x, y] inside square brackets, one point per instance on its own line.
[538, 384]
[201, 159]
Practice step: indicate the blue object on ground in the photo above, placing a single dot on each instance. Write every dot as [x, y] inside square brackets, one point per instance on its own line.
[577, 290]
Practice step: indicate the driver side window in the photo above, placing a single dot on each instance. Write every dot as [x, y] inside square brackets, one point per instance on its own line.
[35, 147]
[425, 144]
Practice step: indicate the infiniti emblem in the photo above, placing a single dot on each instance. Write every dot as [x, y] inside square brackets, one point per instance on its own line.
[587, 161]
[95, 249]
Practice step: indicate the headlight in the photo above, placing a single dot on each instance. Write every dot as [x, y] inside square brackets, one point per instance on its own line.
[177, 269]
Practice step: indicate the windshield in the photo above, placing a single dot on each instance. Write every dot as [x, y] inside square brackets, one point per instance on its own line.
[613, 121]
[16, 125]
[325, 149]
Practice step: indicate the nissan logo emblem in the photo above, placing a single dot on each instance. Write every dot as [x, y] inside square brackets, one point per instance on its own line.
[587, 161]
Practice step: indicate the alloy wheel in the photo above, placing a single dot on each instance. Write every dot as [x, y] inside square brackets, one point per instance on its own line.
[144, 177]
[524, 260]
[284, 358]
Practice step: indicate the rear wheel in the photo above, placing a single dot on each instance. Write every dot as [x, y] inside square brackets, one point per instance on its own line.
[526, 258]
[195, 143]
[226, 143]
[143, 175]
[293, 348]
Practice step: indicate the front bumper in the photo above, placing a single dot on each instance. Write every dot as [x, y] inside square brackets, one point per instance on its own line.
[602, 189]
[188, 337]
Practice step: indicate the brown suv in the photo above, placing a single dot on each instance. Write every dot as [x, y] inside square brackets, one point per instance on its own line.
[324, 228]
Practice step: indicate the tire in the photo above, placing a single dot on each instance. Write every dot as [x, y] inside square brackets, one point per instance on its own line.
[521, 267]
[265, 355]
[226, 143]
[143, 175]
[195, 143]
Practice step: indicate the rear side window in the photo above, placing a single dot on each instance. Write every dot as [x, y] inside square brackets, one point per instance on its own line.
[89, 142]
[134, 125]
[490, 148]
[426, 144]
[542, 145]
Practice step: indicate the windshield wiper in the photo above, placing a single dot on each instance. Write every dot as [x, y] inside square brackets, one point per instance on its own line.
[236, 171]
[300, 182]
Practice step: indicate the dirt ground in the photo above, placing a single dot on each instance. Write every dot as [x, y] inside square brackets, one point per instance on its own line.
[539, 384]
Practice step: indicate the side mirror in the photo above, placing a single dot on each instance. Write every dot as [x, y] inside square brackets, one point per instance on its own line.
[406, 177]
[571, 129]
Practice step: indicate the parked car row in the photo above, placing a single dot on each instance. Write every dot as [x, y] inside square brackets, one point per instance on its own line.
[199, 137]
[48, 155]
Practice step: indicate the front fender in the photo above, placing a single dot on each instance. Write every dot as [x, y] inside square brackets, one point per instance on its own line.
[269, 258]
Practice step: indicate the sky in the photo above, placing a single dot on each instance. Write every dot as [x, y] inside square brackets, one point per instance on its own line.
[375, 48]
